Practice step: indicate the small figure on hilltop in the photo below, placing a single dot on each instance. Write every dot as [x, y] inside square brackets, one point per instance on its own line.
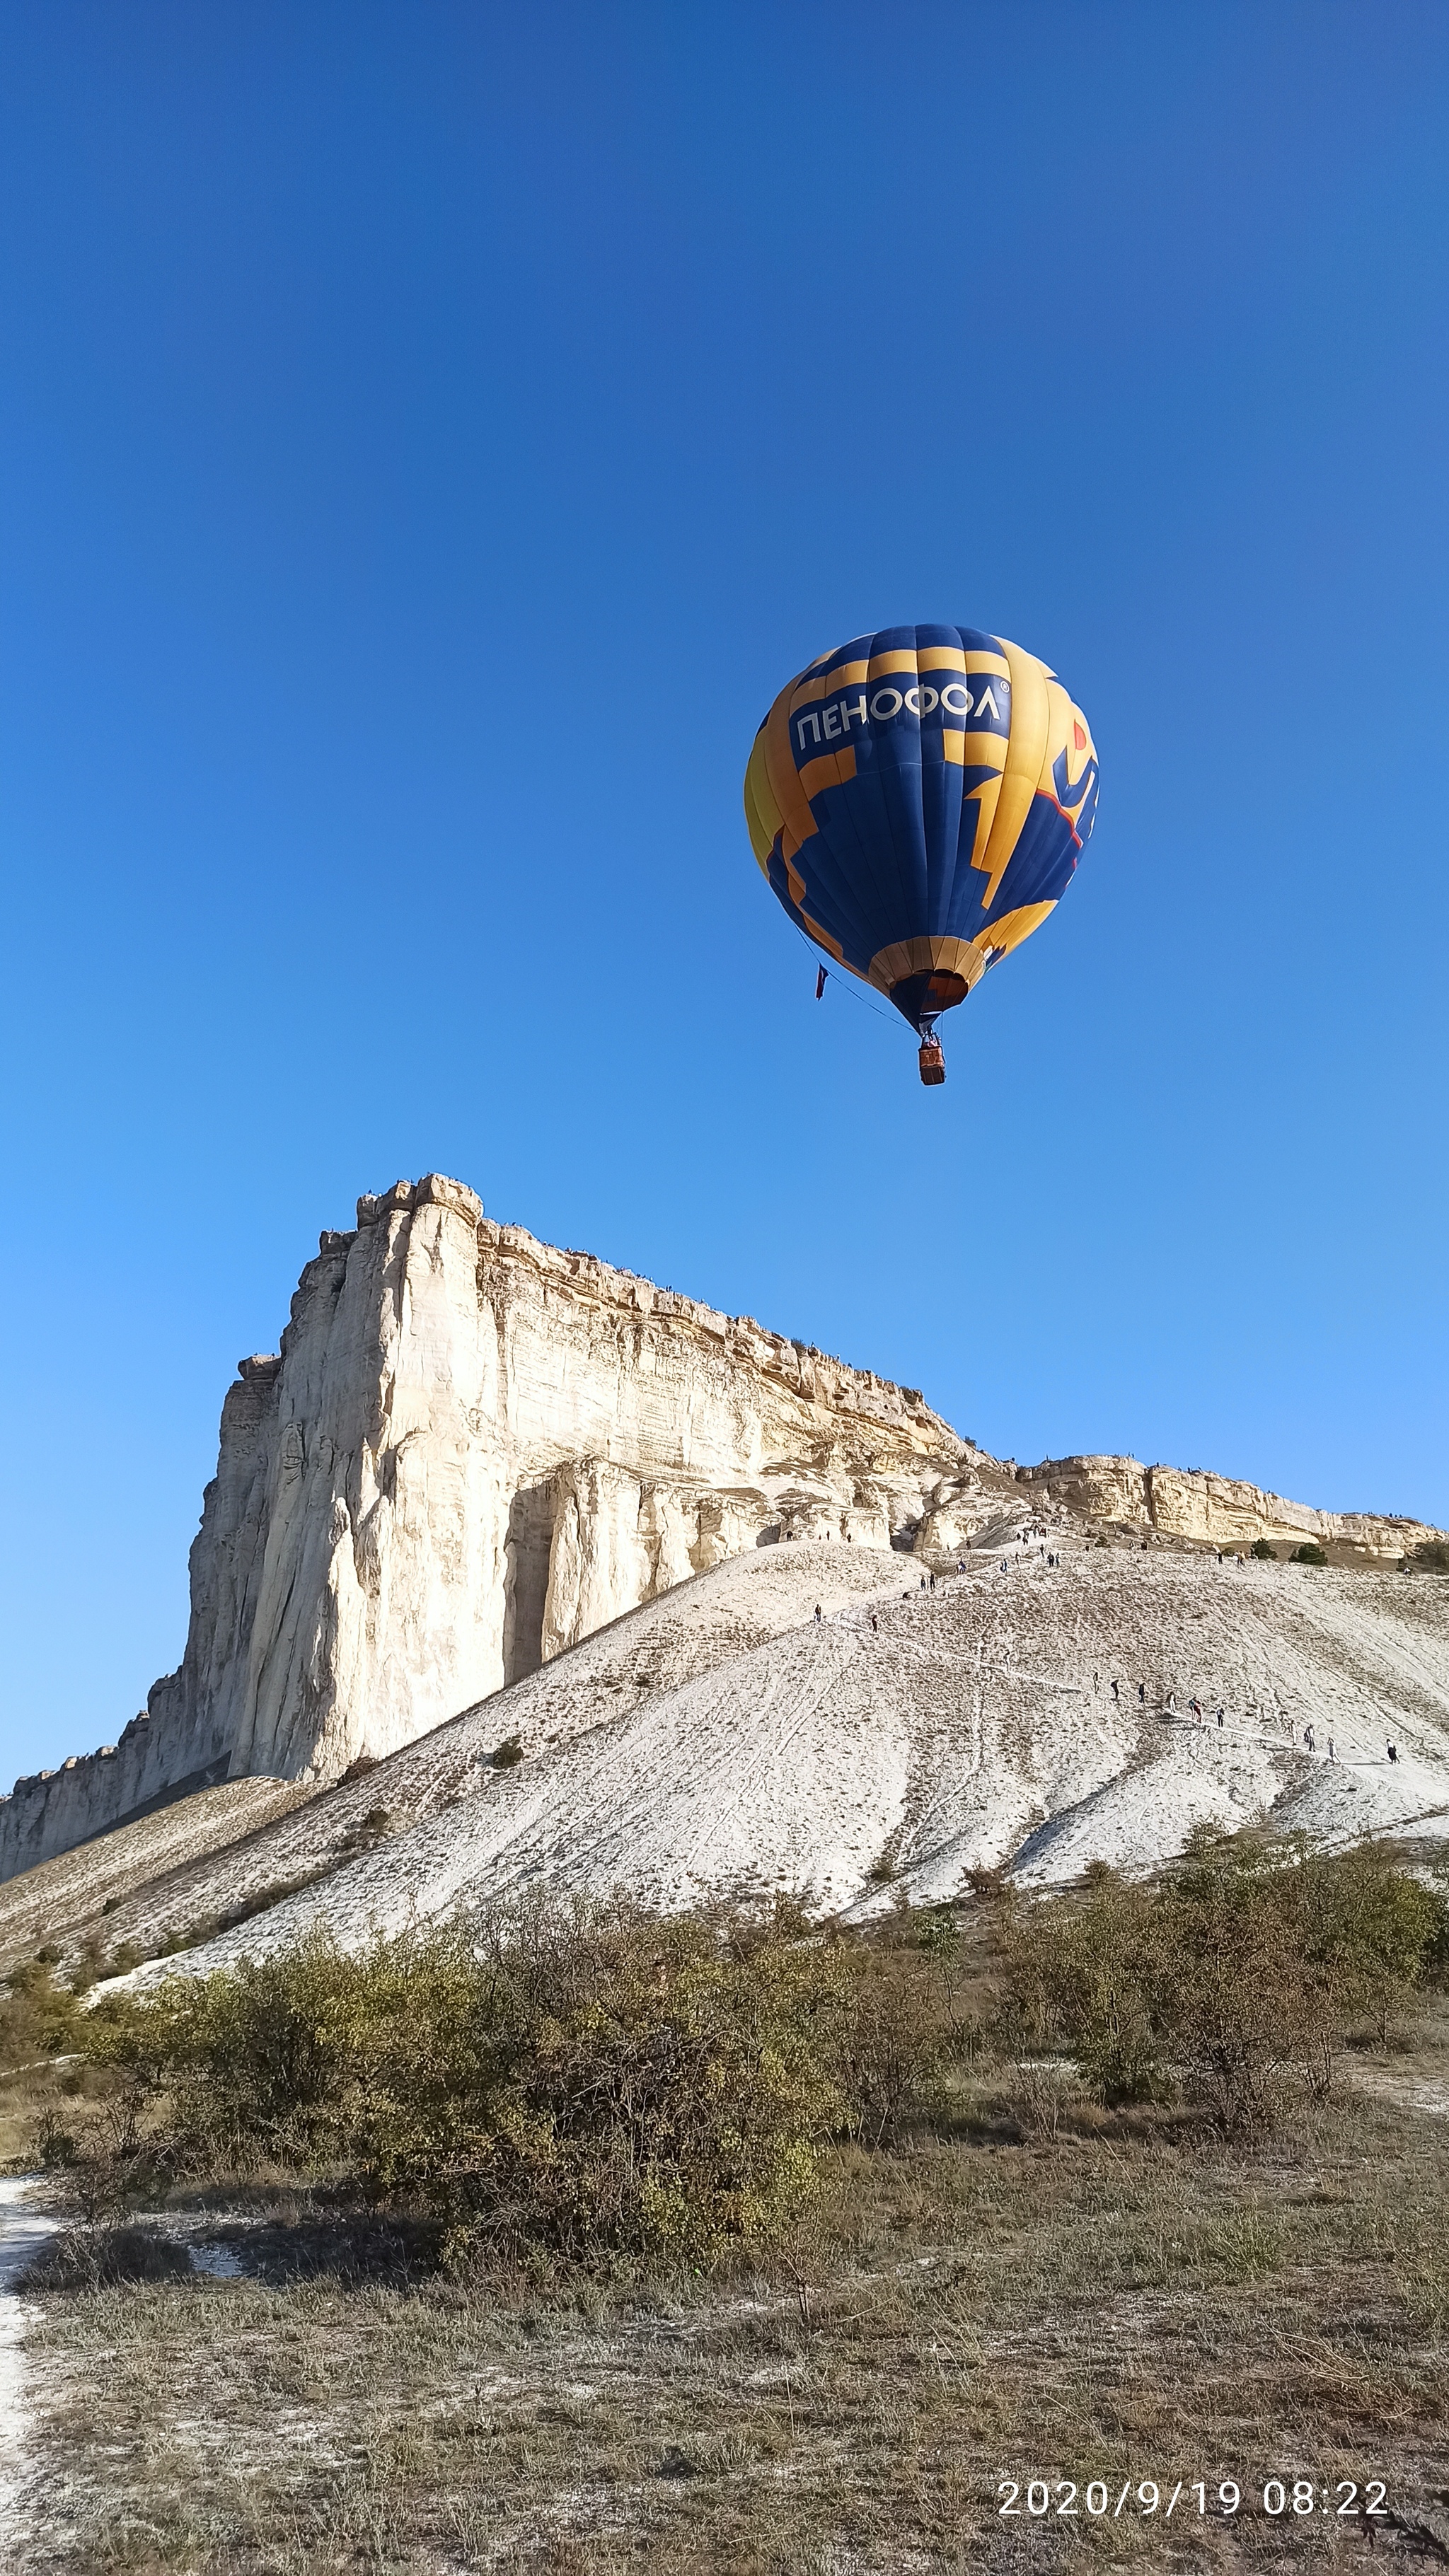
[1333, 1757]
[1142, 1694]
[817, 1614]
[1220, 1717]
[874, 1625]
[1116, 1696]
[1393, 1752]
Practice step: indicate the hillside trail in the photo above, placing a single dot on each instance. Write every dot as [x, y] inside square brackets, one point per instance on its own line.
[795, 1716]
[1353, 1749]
[25, 2223]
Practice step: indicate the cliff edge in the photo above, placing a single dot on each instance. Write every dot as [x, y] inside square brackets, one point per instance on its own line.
[474, 1450]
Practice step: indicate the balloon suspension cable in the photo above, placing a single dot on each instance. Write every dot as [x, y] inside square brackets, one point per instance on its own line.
[845, 983]
[931, 1060]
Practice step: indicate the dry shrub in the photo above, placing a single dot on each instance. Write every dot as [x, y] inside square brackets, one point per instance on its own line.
[592, 2080]
[1239, 1974]
[897, 2036]
[38, 2017]
[110, 2156]
[1038, 2097]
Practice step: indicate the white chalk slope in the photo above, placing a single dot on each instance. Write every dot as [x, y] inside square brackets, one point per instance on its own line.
[722, 1739]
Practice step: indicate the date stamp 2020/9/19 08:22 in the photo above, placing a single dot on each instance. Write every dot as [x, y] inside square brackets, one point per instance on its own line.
[1101, 2498]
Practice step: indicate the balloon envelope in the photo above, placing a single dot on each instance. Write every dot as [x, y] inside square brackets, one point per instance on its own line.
[919, 799]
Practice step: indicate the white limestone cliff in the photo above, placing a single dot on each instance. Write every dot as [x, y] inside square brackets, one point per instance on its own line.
[474, 1450]
[471, 1451]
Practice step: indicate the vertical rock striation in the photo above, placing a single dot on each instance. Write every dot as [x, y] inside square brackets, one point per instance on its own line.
[471, 1451]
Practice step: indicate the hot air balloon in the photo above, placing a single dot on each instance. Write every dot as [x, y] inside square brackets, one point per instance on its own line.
[918, 800]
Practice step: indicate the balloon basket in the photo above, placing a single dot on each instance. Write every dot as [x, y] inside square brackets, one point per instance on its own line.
[933, 1062]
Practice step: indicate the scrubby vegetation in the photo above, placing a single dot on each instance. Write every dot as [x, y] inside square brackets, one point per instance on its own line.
[1238, 1974]
[605, 2083]
[1264, 1550]
[597, 2081]
[1310, 1553]
[775, 2243]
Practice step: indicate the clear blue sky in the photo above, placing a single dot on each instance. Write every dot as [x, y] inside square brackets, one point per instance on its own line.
[431, 434]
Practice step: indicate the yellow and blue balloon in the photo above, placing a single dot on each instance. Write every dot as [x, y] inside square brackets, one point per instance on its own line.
[919, 800]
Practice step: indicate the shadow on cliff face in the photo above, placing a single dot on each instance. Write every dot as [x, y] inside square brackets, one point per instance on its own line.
[527, 1551]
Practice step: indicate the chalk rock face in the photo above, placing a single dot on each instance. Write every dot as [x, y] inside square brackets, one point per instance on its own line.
[1192, 1503]
[960, 1507]
[472, 1451]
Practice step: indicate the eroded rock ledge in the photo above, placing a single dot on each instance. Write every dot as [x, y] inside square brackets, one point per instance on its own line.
[1193, 1503]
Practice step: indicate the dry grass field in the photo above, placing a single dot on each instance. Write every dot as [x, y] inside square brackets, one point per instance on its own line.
[1027, 2286]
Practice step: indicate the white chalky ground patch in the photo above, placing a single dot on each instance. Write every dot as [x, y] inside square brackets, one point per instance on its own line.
[723, 1737]
[24, 2228]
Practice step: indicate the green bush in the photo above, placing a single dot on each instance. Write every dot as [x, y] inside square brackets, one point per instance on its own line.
[1264, 1550]
[596, 2081]
[1310, 1553]
[1374, 1935]
[1244, 1968]
[1084, 1972]
[38, 2018]
[670, 2087]
[899, 2027]
[1431, 1556]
